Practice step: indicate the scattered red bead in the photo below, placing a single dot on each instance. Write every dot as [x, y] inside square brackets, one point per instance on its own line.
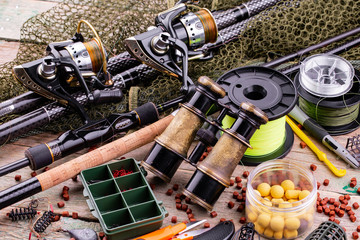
[75, 215]
[238, 179]
[169, 192]
[240, 208]
[121, 172]
[313, 167]
[213, 214]
[65, 213]
[61, 204]
[174, 219]
[326, 182]
[175, 187]
[66, 197]
[245, 174]
[184, 207]
[235, 194]
[303, 145]
[17, 178]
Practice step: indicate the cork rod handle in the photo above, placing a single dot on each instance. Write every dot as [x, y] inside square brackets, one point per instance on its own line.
[103, 154]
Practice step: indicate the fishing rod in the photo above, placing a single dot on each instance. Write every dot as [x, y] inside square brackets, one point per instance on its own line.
[89, 135]
[241, 12]
[201, 145]
[124, 61]
[52, 111]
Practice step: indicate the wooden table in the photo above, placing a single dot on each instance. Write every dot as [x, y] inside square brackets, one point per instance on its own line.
[20, 230]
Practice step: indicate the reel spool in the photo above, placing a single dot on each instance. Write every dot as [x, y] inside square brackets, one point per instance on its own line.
[69, 64]
[274, 94]
[332, 99]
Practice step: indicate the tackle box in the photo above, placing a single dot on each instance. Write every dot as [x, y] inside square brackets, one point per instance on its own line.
[125, 205]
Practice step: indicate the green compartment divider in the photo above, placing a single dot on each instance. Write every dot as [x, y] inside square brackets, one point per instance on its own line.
[110, 203]
[137, 196]
[125, 206]
[131, 181]
[118, 218]
[97, 174]
[104, 188]
[145, 211]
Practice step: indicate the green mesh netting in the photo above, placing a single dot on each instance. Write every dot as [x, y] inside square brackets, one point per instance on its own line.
[282, 30]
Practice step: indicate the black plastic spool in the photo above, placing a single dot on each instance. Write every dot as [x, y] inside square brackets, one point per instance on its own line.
[270, 90]
[350, 98]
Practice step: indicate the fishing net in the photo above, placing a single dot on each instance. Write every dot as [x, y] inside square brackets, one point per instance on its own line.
[285, 28]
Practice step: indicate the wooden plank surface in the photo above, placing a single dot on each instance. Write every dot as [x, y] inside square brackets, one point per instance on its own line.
[19, 230]
[13, 151]
[7, 52]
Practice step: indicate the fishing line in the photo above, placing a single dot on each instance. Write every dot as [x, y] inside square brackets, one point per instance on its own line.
[272, 92]
[329, 116]
[329, 90]
[272, 140]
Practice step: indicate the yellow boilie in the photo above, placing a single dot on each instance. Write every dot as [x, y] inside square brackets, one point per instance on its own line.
[277, 191]
[277, 223]
[264, 219]
[264, 189]
[303, 194]
[269, 216]
[287, 185]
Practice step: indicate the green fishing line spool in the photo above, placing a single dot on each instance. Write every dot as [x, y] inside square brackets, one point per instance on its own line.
[273, 93]
[329, 92]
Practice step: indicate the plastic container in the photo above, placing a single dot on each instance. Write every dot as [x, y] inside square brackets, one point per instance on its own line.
[325, 75]
[281, 219]
[125, 206]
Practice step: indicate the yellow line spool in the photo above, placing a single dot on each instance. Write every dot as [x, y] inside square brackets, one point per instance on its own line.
[271, 141]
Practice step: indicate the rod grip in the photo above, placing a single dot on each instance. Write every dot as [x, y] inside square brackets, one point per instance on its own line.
[315, 129]
[108, 96]
[121, 63]
[103, 154]
[147, 113]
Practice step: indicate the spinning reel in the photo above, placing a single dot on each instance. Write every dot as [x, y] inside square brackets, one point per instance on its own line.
[174, 39]
[68, 64]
